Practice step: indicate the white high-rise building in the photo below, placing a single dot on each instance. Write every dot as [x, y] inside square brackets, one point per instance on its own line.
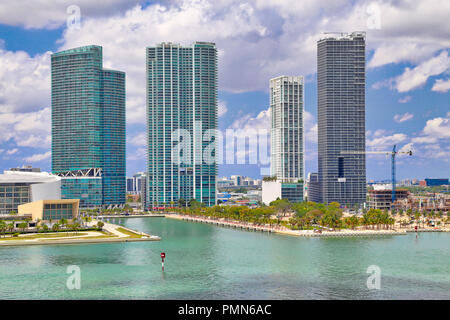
[287, 146]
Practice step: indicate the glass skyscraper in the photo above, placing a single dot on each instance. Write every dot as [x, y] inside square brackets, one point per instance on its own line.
[88, 127]
[341, 118]
[181, 110]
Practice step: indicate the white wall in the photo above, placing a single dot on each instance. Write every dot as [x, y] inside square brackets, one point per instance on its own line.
[46, 191]
[271, 190]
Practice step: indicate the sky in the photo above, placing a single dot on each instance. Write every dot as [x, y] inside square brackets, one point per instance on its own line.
[407, 69]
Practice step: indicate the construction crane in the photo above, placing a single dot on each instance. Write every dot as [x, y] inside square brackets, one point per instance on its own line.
[393, 153]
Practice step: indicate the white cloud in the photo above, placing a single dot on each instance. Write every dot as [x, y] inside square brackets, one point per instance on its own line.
[379, 133]
[418, 76]
[38, 157]
[222, 109]
[138, 140]
[310, 127]
[405, 99]
[24, 81]
[140, 153]
[52, 14]
[31, 129]
[12, 151]
[246, 122]
[386, 142]
[438, 127]
[441, 85]
[435, 129]
[403, 117]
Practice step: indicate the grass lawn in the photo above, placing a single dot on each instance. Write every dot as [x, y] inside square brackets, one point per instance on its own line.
[46, 235]
[129, 233]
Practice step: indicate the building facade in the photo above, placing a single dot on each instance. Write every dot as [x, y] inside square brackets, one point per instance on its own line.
[19, 187]
[382, 199]
[430, 182]
[88, 127]
[181, 123]
[314, 188]
[50, 210]
[341, 118]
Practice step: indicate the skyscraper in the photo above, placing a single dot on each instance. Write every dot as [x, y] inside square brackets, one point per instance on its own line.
[181, 110]
[341, 117]
[286, 111]
[88, 127]
[287, 145]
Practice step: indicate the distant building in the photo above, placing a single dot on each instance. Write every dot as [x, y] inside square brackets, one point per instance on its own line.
[429, 182]
[422, 183]
[88, 127]
[314, 188]
[17, 188]
[237, 180]
[341, 117]
[224, 182]
[26, 169]
[130, 185]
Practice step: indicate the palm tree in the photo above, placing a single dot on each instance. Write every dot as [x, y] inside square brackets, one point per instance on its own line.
[56, 227]
[75, 226]
[23, 226]
[11, 226]
[63, 222]
[3, 227]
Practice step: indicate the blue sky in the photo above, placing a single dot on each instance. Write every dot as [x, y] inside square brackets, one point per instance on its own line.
[407, 77]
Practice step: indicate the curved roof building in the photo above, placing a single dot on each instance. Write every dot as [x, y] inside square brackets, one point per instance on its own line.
[18, 187]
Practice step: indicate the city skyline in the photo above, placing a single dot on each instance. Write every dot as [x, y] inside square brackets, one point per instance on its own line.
[409, 88]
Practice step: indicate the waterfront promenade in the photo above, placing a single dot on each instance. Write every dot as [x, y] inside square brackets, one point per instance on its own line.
[282, 230]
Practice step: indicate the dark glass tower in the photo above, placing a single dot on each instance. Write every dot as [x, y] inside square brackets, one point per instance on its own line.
[88, 127]
[181, 97]
[341, 118]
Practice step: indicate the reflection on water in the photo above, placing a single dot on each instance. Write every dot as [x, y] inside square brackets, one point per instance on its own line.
[209, 262]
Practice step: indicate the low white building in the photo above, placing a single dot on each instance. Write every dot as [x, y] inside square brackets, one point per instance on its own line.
[273, 190]
[17, 187]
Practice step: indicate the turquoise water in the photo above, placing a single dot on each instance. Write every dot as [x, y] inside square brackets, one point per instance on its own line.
[210, 262]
